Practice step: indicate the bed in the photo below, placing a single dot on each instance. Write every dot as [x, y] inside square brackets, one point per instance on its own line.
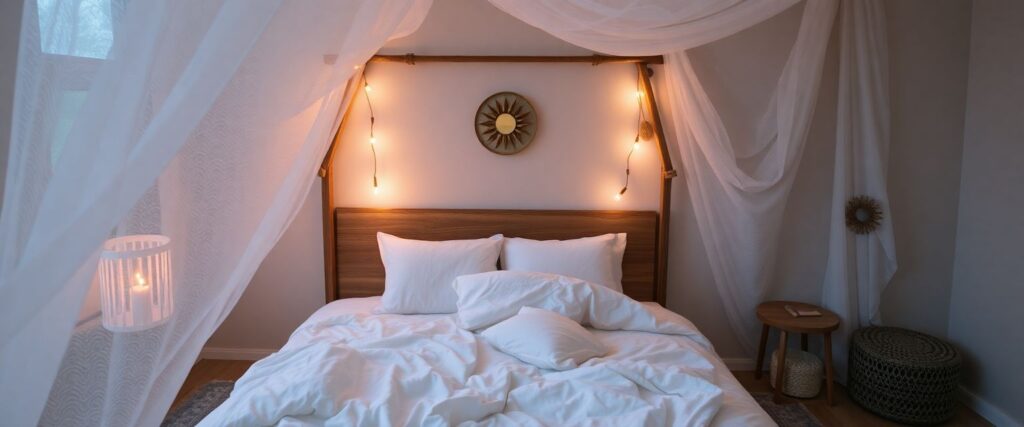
[349, 364]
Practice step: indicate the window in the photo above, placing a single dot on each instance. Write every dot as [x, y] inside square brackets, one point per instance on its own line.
[75, 36]
[82, 28]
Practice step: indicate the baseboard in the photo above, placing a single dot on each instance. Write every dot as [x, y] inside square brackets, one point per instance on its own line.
[224, 353]
[987, 410]
[739, 363]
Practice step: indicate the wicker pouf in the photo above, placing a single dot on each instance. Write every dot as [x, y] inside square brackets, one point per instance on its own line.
[903, 375]
[803, 373]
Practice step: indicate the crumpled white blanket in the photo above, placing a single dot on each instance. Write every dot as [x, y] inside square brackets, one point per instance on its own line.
[360, 369]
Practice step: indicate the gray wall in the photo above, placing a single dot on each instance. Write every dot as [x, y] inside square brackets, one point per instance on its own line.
[10, 26]
[928, 53]
[986, 319]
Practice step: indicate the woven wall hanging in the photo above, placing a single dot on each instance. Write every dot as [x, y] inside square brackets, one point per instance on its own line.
[863, 214]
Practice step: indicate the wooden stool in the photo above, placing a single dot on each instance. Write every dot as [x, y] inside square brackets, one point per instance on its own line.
[774, 314]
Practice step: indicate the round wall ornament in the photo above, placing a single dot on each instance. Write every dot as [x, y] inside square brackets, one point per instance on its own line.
[505, 123]
[863, 214]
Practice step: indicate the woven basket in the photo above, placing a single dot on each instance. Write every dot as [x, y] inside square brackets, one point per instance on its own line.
[803, 373]
[903, 375]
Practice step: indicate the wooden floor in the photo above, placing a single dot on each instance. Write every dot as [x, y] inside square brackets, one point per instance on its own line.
[843, 413]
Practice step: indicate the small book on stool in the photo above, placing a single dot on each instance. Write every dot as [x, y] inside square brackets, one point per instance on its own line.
[802, 313]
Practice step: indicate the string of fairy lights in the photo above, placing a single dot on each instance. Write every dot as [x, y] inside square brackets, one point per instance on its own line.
[644, 131]
[373, 139]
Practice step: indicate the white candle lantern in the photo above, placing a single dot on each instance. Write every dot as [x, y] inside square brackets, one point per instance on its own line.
[136, 291]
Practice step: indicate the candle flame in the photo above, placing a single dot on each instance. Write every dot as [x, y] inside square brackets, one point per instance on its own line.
[139, 279]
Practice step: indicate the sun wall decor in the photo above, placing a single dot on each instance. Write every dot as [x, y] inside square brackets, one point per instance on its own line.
[505, 123]
[863, 214]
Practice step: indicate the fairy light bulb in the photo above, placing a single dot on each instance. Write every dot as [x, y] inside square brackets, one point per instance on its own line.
[636, 146]
[376, 187]
[367, 87]
[639, 94]
[373, 140]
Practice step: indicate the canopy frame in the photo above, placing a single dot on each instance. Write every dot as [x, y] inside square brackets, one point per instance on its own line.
[668, 172]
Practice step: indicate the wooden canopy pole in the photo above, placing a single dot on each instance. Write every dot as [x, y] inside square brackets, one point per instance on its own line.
[667, 173]
[667, 170]
[412, 59]
[327, 204]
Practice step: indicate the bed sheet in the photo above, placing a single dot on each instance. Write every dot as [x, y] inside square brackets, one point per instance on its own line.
[738, 407]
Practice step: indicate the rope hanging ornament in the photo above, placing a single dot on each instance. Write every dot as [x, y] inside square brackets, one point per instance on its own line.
[644, 131]
[863, 214]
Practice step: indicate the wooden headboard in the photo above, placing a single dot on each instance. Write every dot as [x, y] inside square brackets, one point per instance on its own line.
[360, 272]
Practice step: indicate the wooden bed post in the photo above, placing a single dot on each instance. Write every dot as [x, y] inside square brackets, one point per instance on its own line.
[667, 173]
[327, 203]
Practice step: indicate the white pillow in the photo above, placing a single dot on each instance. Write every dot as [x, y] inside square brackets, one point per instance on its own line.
[418, 274]
[544, 339]
[595, 259]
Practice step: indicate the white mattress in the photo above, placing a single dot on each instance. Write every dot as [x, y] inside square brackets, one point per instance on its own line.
[738, 407]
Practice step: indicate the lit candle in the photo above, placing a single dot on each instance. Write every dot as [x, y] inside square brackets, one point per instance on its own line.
[140, 301]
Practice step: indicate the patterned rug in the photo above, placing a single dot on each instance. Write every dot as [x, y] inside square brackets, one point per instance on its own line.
[199, 404]
[204, 400]
[786, 414]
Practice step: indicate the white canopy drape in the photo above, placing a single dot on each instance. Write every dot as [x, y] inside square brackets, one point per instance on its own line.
[860, 266]
[231, 104]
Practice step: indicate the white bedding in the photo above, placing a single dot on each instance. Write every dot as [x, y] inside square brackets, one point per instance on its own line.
[346, 366]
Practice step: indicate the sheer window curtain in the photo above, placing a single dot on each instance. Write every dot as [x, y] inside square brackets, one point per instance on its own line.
[202, 120]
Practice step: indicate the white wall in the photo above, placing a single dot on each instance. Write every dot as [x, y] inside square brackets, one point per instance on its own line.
[985, 317]
[430, 156]
[286, 289]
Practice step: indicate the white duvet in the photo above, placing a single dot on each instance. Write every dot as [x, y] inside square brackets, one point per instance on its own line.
[348, 367]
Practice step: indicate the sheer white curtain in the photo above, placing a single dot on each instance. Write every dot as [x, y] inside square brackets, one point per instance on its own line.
[651, 27]
[860, 266]
[202, 120]
[738, 188]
